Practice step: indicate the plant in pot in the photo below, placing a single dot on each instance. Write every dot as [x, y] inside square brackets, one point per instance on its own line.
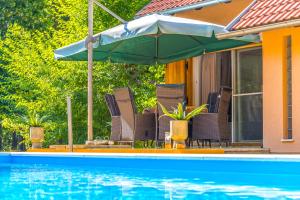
[179, 124]
[36, 124]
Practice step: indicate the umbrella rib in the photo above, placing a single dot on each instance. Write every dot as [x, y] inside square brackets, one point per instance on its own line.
[142, 56]
[121, 41]
[183, 52]
[115, 47]
[194, 38]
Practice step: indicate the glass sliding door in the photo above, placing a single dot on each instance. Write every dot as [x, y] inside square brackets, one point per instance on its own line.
[247, 96]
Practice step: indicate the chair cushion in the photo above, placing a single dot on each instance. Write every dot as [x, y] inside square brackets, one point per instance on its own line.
[112, 105]
[213, 102]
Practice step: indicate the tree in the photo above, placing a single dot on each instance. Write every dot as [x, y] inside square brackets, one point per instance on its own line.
[32, 80]
[30, 14]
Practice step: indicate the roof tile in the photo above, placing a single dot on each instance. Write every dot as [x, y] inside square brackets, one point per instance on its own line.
[163, 5]
[264, 12]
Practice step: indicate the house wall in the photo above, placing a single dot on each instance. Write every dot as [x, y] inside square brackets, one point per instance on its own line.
[175, 72]
[275, 90]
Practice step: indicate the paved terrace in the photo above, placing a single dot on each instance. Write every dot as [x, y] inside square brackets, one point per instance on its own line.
[236, 149]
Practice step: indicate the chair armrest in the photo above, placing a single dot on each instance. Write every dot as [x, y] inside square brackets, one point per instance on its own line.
[206, 116]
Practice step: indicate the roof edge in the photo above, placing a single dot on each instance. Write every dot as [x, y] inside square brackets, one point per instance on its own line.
[259, 29]
[236, 19]
[202, 4]
[137, 14]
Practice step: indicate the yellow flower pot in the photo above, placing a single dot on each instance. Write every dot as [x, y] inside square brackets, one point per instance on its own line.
[179, 132]
[36, 137]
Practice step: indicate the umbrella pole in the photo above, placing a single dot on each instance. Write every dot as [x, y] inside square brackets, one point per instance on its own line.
[90, 61]
[90, 71]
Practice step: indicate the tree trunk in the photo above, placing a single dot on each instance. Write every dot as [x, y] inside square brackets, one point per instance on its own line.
[14, 142]
[21, 145]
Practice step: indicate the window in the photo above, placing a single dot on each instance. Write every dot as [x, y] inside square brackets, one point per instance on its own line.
[247, 97]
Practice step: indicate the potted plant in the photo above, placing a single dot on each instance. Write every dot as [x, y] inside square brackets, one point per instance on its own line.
[36, 123]
[179, 124]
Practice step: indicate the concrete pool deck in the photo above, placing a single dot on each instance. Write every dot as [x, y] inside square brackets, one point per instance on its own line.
[133, 151]
[235, 148]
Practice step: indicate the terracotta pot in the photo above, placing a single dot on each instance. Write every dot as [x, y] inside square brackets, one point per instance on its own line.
[179, 132]
[36, 137]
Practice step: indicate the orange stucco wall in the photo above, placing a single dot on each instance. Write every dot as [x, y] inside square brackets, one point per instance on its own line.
[274, 90]
[177, 73]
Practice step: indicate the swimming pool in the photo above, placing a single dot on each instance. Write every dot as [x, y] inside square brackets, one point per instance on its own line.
[127, 176]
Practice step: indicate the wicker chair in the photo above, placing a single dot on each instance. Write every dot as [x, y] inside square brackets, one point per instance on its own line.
[214, 126]
[115, 117]
[135, 126]
[213, 102]
[169, 95]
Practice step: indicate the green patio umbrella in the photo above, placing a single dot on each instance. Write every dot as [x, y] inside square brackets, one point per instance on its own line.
[154, 39]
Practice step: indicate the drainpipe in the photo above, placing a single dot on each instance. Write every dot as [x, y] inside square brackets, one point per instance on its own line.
[255, 30]
[202, 4]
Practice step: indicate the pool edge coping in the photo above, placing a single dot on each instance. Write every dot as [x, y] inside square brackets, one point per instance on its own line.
[258, 157]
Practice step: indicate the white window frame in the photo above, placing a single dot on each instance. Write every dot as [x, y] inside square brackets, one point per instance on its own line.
[234, 63]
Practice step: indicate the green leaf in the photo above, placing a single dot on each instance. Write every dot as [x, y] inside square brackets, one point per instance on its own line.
[196, 111]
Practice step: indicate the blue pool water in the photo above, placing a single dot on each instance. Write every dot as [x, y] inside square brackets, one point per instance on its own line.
[27, 176]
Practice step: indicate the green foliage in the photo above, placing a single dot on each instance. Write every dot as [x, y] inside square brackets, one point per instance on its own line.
[33, 119]
[32, 81]
[180, 112]
[27, 13]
